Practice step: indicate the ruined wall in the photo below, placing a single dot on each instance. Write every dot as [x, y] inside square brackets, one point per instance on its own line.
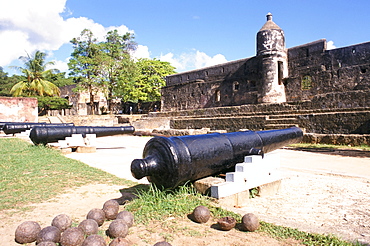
[18, 109]
[80, 101]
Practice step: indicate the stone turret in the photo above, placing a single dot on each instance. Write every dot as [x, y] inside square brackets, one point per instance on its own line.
[274, 62]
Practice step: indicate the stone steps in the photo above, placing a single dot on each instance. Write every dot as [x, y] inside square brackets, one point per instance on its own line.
[281, 116]
[51, 119]
[279, 126]
[253, 110]
[333, 122]
[280, 122]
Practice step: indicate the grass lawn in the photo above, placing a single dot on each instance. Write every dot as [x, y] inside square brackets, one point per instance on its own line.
[30, 173]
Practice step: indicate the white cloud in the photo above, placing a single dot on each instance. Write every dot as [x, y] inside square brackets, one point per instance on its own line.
[62, 66]
[330, 45]
[203, 60]
[141, 52]
[27, 26]
[192, 60]
[175, 62]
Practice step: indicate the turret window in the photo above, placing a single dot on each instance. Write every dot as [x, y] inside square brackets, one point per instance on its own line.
[236, 86]
[218, 96]
[306, 82]
[280, 72]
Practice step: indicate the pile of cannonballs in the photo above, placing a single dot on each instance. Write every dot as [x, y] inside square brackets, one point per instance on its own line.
[61, 232]
[250, 222]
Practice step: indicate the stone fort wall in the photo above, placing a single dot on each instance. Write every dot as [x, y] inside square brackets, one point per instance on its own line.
[313, 71]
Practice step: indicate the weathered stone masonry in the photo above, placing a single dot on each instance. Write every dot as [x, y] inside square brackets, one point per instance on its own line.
[323, 91]
[308, 71]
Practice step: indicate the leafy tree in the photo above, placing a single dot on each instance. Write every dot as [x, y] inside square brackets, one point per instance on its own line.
[102, 66]
[117, 68]
[6, 83]
[60, 79]
[85, 64]
[35, 73]
[107, 67]
[52, 103]
[149, 81]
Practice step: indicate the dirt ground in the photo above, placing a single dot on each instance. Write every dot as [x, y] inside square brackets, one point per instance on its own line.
[332, 204]
[77, 202]
[308, 200]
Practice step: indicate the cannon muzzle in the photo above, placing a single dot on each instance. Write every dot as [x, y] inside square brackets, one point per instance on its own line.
[44, 135]
[170, 162]
[13, 128]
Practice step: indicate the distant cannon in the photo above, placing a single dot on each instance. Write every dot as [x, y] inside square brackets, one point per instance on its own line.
[170, 162]
[2, 124]
[44, 135]
[13, 128]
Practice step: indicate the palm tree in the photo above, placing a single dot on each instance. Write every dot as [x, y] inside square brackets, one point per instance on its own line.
[35, 72]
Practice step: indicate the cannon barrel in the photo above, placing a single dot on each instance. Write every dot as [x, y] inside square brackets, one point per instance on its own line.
[2, 124]
[170, 162]
[12, 128]
[44, 135]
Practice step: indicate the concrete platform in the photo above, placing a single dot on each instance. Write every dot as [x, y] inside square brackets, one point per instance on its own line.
[114, 155]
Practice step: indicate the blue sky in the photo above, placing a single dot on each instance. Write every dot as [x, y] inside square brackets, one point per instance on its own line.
[190, 34]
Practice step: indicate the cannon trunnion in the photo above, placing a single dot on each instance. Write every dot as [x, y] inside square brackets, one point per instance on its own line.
[44, 135]
[170, 162]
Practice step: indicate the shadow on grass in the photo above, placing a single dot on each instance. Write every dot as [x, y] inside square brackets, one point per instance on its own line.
[131, 193]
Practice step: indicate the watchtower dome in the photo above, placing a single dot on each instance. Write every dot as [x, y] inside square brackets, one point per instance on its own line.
[274, 62]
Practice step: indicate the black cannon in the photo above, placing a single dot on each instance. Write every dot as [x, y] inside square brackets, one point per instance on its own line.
[13, 128]
[170, 162]
[2, 124]
[44, 135]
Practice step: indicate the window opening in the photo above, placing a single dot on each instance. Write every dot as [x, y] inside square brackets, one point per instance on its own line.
[306, 82]
[236, 86]
[280, 72]
[218, 96]
[253, 84]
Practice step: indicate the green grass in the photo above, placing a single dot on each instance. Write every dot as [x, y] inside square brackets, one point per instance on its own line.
[30, 173]
[154, 204]
[329, 146]
[313, 239]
